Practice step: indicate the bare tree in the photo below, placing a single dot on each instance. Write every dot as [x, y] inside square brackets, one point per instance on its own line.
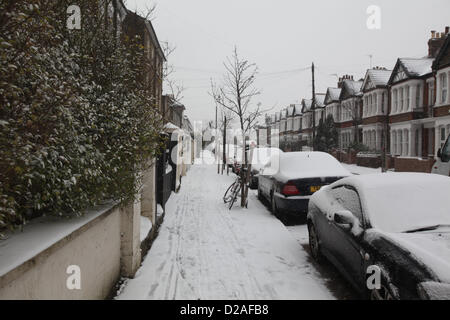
[225, 124]
[235, 94]
[176, 89]
[353, 110]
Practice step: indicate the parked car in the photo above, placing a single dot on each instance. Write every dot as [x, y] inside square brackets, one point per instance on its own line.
[442, 164]
[396, 222]
[260, 158]
[289, 179]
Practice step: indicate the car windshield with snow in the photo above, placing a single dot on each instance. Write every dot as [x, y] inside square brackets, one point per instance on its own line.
[397, 222]
[288, 180]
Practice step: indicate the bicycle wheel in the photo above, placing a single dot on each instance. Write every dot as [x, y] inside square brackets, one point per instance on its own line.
[226, 196]
[234, 195]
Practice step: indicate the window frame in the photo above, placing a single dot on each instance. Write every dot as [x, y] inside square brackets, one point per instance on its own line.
[444, 85]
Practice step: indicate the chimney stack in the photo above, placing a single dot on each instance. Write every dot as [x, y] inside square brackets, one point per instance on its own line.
[447, 29]
[435, 42]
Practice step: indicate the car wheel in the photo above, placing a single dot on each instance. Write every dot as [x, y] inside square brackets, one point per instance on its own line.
[314, 243]
[277, 213]
[260, 196]
[381, 294]
[273, 206]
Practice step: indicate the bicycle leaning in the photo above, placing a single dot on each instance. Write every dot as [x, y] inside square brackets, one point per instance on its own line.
[233, 193]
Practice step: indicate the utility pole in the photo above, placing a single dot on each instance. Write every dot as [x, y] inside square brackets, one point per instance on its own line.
[313, 106]
[217, 151]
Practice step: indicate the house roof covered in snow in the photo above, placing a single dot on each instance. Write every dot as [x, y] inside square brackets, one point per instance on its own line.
[306, 105]
[332, 95]
[297, 110]
[410, 68]
[350, 88]
[290, 110]
[376, 78]
[277, 116]
[320, 100]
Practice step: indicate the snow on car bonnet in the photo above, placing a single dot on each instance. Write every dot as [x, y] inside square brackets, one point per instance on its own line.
[297, 165]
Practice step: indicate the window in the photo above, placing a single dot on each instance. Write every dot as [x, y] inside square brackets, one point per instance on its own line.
[443, 78]
[365, 106]
[394, 143]
[406, 142]
[399, 143]
[395, 98]
[418, 89]
[431, 94]
[401, 99]
[407, 98]
[416, 143]
[348, 198]
[375, 103]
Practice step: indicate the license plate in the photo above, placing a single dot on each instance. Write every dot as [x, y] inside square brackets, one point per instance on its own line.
[314, 188]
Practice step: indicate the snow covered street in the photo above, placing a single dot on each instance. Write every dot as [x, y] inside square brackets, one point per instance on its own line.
[205, 251]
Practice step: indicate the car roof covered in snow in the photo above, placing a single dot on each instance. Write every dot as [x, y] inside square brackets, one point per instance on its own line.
[298, 165]
[396, 202]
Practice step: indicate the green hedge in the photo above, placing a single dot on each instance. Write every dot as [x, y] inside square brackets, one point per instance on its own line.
[77, 122]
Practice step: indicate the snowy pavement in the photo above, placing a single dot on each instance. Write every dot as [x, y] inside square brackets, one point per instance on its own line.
[205, 251]
[353, 168]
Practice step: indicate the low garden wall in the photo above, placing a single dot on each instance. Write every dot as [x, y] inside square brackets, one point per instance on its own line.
[413, 164]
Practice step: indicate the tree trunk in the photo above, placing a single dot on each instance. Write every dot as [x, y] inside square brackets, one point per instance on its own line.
[224, 162]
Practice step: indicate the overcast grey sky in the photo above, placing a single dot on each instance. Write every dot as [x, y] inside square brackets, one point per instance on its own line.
[283, 36]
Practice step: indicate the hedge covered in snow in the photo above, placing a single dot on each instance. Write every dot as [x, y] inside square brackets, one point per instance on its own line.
[77, 120]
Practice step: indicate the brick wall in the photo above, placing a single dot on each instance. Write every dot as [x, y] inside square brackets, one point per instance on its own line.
[413, 165]
[442, 111]
[371, 162]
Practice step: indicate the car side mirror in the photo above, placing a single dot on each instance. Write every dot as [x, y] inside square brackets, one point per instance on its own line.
[344, 219]
[347, 221]
[439, 153]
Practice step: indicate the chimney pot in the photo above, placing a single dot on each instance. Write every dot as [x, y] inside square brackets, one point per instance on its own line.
[433, 34]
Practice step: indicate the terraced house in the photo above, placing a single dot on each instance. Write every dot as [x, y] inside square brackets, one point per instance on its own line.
[350, 106]
[332, 103]
[403, 114]
[441, 109]
[417, 119]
